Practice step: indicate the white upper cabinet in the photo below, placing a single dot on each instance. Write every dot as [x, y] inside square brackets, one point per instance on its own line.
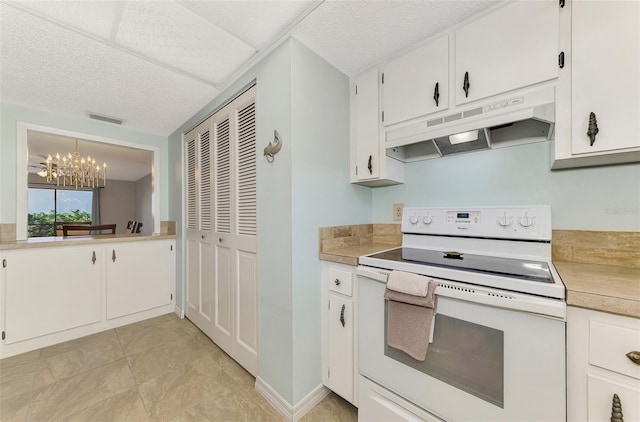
[371, 166]
[605, 74]
[601, 43]
[366, 123]
[510, 48]
[416, 84]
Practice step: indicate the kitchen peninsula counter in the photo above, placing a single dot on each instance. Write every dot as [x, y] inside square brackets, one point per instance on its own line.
[45, 242]
[608, 288]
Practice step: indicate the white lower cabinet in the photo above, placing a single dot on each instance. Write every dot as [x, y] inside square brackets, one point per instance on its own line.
[340, 368]
[53, 294]
[138, 277]
[50, 289]
[600, 374]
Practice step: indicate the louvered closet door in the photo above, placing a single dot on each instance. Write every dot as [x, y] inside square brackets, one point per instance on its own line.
[200, 295]
[245, 231]
[235, 245]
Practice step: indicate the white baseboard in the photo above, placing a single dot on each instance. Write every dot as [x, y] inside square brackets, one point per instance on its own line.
[309, 402]
[179, 312]
[291, 413]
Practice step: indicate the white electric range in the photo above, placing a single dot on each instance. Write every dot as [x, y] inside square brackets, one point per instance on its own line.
[499, 342]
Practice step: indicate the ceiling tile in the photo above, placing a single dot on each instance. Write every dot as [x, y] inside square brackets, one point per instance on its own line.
[95, 17]
[355, 34]
[172, 34]
[258, 23]
[67, 73]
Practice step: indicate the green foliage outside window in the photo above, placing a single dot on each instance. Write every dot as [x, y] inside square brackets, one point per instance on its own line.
[40, 224]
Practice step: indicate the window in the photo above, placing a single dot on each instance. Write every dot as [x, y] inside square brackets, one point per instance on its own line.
[46, 206]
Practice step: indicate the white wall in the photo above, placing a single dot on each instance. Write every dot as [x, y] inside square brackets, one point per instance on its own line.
[118, 203]
[143, 205]
[597, 198]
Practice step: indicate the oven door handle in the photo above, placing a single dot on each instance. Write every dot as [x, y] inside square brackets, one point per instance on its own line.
[483, 295]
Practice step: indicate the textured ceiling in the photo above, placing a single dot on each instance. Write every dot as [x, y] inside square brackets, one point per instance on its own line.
[157, 63]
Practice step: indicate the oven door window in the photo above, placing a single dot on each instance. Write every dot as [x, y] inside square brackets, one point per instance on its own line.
[465, 355]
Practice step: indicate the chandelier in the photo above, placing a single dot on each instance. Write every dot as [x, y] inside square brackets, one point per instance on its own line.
[74, 170]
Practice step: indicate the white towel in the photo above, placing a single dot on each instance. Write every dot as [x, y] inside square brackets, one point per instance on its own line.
[408, 283]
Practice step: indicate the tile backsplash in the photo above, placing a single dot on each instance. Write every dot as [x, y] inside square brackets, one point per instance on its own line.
[597, 247]
[359, 235]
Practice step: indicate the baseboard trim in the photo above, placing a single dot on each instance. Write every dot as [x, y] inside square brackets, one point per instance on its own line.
[309, 402]
[291, 413]
[179, 312]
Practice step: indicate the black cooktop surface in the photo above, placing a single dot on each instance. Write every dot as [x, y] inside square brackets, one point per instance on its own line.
[537, 271]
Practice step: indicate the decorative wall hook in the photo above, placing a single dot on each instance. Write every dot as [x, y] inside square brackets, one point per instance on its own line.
[273, 148]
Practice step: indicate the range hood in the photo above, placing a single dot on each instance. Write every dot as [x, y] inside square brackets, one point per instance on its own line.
[499, 122]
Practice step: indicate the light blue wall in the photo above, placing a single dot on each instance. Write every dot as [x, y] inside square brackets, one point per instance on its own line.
[306, 187]
[273, 111]
[11, 114]
[321, 196]
[597, 198]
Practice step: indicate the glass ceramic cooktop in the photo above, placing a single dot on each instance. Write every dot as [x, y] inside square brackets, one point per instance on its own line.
[537, 271]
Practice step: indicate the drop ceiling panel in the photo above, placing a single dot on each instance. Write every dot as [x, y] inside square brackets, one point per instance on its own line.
[353, 35]
[61, 71]
[257, 23]
[95, 17]
[174, 35]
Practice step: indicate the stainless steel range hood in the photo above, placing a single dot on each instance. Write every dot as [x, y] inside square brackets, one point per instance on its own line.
[506, 121]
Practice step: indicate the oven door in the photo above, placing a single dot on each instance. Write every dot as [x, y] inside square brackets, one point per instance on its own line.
[486, 362]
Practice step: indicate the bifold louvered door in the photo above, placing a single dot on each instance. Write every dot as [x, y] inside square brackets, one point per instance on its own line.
[221, 229]
[235, 246]
[199, 212]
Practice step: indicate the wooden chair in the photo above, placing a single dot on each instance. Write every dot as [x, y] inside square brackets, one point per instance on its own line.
[78, 230]
[59, 224]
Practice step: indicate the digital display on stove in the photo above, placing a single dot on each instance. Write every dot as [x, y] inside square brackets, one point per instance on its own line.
[463, 215]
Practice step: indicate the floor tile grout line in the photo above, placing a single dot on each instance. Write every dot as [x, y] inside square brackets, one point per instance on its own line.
[137, 386]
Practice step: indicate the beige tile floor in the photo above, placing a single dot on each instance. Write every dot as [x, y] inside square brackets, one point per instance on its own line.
[160, 369]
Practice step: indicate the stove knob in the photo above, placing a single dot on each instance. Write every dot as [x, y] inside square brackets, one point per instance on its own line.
[427, 219]
[413, 219]
[527, 221]
[505, 221]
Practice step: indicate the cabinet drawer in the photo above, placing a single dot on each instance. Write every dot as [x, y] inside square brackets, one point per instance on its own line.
[340, 281]
[609, 343]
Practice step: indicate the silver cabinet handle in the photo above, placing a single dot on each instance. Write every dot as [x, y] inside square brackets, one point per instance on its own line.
[220, 239]
[616, 409]
[113, 255]
[634, 357]
[342, 315]
[93, 258]
[337, 281]
[202, 236]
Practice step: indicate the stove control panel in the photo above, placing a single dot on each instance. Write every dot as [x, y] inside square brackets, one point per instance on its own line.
[515, 222]
[463, 217]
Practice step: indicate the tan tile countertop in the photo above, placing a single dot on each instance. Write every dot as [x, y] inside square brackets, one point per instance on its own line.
[47, 242]
[349, 254]
[607, 288]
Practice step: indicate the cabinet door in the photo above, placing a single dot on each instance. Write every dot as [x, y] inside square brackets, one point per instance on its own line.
[600, 398]
[138, 276]
[510, 48]
[605, 74]
[367, 126]
[340, 327]
[50, 290]
[409, 84]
